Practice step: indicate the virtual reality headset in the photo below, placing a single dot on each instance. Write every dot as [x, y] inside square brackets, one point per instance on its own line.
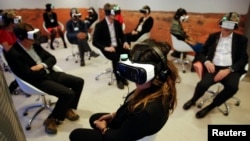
[110, 12]
[33, 34]
[144, 11]
[228, 24]
[136, 72]
[17, 19]
[76, 15]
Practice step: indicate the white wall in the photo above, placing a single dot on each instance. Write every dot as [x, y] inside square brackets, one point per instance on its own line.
[201, 6]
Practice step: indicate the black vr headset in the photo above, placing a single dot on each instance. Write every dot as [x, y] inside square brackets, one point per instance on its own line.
[109, 12]
[141, 73]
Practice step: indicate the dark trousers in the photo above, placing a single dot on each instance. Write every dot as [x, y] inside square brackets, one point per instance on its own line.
[131, 38]
[230, 83]
[67, 88]
[115, 57]
[88, 134]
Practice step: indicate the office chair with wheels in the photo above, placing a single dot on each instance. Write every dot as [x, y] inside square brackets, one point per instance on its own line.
[199, 70]
[182, 47]
[55, 41]
[108, 72]
[141, 39]
[74, 49]
[32, 90]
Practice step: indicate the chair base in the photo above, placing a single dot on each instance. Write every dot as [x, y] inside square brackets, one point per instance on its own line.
[107, 71]
[212, 95]
[183, 62]
[45, 105]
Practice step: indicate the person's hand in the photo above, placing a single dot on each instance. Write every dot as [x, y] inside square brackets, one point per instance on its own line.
[126, 45]
[108, 118]
[100, 124]
[81, 35]
[37, 67]
[221, 74]
[210, 67]
[110, 49]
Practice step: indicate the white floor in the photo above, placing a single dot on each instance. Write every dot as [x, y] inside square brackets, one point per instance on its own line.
[98, 96]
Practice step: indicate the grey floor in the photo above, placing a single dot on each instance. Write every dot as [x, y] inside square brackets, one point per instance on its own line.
[98, 96]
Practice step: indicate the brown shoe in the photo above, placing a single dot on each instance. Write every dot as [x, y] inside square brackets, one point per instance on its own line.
[50, 125]
[70, 115]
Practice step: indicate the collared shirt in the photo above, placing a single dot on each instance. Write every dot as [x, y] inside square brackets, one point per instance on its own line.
[32, 53]
[112, 32]
[223, 53]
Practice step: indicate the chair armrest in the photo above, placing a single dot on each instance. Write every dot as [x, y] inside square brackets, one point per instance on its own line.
[57, 69]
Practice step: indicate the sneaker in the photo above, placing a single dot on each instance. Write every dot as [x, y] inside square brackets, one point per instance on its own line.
[94, 54]
[71, 115]
[50, 125]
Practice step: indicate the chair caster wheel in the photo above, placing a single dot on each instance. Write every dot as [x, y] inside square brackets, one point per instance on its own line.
[28, 127]
[184, 71]
[109, 83]
[66, 59]
[225, 114]
[237, 104]
[96, 78]
[25, 113]
[76, 61]
[199, 106]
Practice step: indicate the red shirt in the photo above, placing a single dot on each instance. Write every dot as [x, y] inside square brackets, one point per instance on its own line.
[7, 36]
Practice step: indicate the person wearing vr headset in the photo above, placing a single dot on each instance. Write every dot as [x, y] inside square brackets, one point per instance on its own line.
[179, 32]
[77, 33]
[91, 18]
[147, 108]
[224, 56]
[118, 15]
[51, 23]
[144, 25]
[29, 61]
[109, 38]
[9, 19]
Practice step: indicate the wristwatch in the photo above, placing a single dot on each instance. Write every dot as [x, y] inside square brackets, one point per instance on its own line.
[231, 69]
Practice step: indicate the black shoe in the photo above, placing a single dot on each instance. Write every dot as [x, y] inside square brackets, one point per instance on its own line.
[120, 85]
[82, 63]
[125, 82]
[202, 113]
[94, 54]
[188, 104]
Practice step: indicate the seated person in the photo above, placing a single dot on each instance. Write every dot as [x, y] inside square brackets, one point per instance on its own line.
[29, 61]
[178, 31]
[91, 18]
[77, 34]
[8, 21]
[224, 57]
[144, 25]
[51, 23]
[109, 38]
[147, 108]
[118, 15]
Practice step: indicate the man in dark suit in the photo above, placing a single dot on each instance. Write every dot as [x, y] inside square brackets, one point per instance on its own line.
[109, 38]
[144, 25]
[77, 33]
[224, 57]
[29, 61]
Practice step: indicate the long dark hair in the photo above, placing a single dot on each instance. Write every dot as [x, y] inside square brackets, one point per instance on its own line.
[180, 12]
[163, 89]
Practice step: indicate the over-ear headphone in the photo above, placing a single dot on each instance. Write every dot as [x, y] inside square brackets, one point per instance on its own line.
[231, 16]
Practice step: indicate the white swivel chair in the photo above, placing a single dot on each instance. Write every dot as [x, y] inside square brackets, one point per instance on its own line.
[212, 93]
[141, 39]
[74, 49]
[55, 41]
[2, 60]
[182, 47]
[32, 90]
[108, 72]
